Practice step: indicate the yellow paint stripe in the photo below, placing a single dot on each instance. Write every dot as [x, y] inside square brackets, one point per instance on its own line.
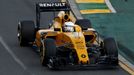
[90, 1]
[126, 67]
[93, 11]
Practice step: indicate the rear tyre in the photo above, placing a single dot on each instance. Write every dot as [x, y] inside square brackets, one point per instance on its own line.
[84, 23]
[111, 49]
[47, 50]
[26, 32]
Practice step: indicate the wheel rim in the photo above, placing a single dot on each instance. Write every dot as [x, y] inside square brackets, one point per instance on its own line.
[19, 35]
[50, 64]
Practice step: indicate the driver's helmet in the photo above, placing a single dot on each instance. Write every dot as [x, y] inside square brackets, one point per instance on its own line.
[68, 27]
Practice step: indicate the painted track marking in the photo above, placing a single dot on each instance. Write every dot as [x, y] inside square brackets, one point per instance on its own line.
[12, 54]
[110, 6]
[90, 1]
[126, 65]
[7, 48]
[94, 11]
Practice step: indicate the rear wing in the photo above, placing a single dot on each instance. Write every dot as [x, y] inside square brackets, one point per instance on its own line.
[51, 7]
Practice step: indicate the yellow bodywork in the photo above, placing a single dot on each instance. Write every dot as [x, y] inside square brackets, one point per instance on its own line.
[76, 41]
[73, 40]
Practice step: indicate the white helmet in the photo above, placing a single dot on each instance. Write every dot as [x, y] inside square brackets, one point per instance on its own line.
[68, 26]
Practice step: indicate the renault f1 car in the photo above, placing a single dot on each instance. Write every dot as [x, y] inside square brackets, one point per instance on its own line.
[66, 43]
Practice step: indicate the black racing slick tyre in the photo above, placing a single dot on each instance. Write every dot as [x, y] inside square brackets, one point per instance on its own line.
[47, 50]
[26, 32]
[84, 23]
[111, 49]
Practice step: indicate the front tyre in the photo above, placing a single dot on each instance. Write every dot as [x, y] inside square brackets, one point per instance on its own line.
[111, 50]
[47, 50]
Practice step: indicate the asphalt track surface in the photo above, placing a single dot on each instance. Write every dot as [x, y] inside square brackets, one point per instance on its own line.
[16, 60]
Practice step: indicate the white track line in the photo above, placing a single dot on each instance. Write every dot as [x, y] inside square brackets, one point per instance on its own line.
[12, 54]
[110, 6]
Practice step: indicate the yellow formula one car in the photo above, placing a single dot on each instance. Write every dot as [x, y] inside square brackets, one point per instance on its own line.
[65, 43]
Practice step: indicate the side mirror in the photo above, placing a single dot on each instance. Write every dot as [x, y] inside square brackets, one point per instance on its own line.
[84, 28]
[57, 29]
